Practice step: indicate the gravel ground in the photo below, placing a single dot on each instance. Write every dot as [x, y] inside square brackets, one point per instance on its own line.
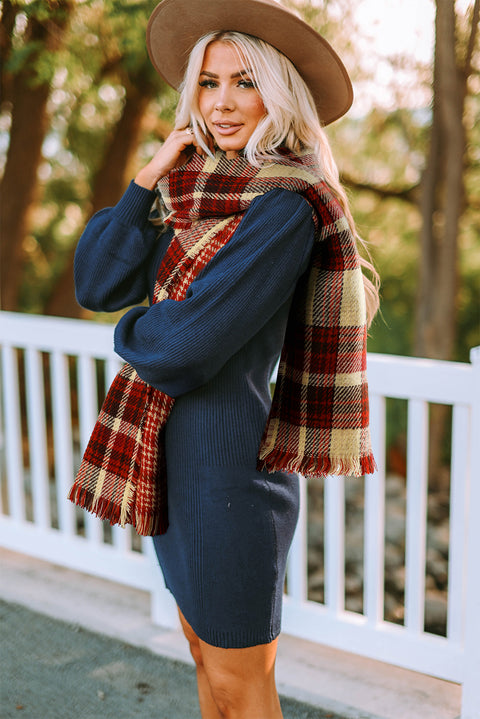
[52, 670]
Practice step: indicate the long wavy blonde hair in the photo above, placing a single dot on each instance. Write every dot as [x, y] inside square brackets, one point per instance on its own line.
[291, 120]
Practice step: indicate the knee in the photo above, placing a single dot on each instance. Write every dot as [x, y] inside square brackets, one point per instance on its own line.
[225, 695]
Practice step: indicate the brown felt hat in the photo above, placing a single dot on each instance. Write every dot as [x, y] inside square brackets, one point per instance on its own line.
[176, 25]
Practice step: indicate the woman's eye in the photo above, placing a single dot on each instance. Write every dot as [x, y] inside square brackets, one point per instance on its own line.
[246, 83]
[207, 83]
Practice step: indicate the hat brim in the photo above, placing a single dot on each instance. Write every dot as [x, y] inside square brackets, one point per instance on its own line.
[176, 25]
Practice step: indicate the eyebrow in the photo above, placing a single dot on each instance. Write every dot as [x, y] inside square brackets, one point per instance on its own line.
[242, 73]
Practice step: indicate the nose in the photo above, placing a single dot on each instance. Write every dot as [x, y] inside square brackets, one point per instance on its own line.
[224, 101]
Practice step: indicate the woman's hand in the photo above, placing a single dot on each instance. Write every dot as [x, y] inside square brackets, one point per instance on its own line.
[173, 153]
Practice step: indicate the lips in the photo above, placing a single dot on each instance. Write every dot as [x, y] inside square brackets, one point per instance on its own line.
[226, 128]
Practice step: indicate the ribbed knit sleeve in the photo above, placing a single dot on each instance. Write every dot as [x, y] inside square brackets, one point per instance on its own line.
[114, 254]
[179, 346]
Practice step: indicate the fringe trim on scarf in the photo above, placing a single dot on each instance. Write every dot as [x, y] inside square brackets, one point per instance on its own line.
[146, 524]
[310, 467]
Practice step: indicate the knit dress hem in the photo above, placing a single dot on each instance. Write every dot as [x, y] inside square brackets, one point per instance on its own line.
[252, 637]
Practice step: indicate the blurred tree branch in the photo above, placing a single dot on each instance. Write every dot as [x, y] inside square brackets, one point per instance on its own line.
[407, 194]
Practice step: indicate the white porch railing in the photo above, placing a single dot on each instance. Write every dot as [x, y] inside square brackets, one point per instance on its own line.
[54, 373]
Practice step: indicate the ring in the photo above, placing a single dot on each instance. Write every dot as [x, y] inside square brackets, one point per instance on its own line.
[189, 131]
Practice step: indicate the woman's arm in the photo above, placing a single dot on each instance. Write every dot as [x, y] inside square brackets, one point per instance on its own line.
[179, 346]
[111, 268]
[114, 253]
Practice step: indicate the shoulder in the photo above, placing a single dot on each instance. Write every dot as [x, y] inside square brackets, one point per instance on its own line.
[283, 201]
[277, 213]
[277, 229]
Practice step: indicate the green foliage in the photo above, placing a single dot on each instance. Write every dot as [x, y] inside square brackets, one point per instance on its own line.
[33, 49]
[24, 55]
[390, 227]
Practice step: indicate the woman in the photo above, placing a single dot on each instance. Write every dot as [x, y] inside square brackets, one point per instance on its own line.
[255, 254]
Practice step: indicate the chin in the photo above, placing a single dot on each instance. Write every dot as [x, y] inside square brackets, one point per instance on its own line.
[229, 150]
[227, 147]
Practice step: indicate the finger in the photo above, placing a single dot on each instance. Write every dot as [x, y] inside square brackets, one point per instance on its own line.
[186, 135]
[192, 140]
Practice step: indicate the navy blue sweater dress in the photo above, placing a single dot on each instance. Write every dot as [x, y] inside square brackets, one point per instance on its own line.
[230, 527]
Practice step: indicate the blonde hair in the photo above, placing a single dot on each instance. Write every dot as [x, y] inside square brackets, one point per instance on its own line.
[291, 120]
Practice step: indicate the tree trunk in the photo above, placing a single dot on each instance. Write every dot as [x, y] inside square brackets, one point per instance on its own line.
[442, 205]
[7, 24]
[19, 182]
[442, 197]
[109, 184]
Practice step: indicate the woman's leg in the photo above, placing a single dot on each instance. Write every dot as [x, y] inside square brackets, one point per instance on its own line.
[242, 681]
[208, 708]
[235, 683]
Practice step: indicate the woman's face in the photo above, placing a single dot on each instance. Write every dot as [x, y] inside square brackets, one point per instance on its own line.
[228, 100]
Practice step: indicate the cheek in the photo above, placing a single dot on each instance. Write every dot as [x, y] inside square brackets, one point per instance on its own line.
[257, 110]
[203, 106]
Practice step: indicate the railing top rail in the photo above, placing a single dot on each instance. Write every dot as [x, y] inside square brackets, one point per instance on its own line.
[389, 375]
[419, 378]
[47, 334]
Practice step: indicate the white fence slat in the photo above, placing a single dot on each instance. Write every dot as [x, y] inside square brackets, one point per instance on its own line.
[471, 683]
[334, 543]
[122, 538]
[63, 442]
[13, 434]
[87, 399]
[88, 412]
[459, 486]
[112, 366]
[416, 525]
[37, 437]
[374, 518]
[162, 604]
[3, 475]
[298, 560]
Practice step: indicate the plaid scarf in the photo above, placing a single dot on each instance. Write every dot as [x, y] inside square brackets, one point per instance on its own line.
[318, 423]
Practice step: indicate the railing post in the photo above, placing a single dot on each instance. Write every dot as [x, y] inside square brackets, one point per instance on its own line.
[298, 559]
[163, 609]
[471, 684]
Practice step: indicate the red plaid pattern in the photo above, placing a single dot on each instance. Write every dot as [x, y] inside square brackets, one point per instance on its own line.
[318, 423]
